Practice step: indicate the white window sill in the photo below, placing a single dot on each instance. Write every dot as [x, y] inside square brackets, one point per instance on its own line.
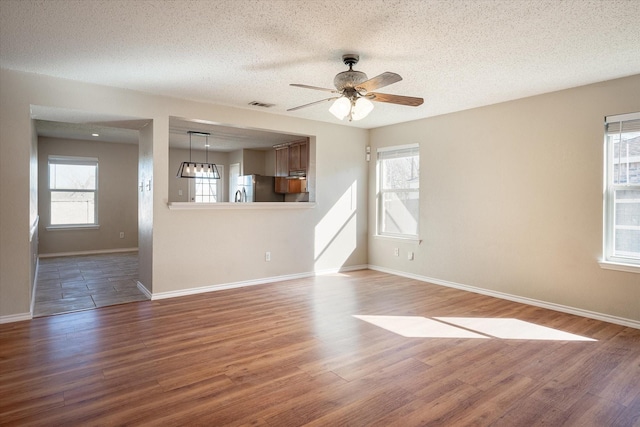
[619, 266]
[241, 206]
[415, 240]
[72, 227]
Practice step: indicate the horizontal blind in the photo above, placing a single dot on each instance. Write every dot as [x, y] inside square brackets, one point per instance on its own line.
[69, 160]
[398, 152]
[623, 123]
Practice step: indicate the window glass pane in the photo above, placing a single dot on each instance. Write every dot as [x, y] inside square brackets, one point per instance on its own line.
[400, 173]
[72, 177]
[70, 207]
[627, 223]
[627, 243]
[627, 208]
[625, 157]
[206, 190]
[400, 212]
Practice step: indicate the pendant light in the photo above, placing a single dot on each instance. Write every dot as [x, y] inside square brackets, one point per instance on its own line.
[200, 170]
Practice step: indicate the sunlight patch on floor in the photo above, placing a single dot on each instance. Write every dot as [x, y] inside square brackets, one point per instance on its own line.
[468, 327]
[418, 327]
[512, 329]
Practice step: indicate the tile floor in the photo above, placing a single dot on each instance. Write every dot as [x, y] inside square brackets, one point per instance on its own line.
[76, 283]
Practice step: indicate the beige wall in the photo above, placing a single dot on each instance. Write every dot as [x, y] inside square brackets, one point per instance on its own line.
[145, 206]
[33, 211]
[253, 162]
[180, 250]
[16, 194]
[117, 197]
[511, 199]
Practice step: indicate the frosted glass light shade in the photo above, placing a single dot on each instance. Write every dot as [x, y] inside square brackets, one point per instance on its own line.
[362, 107]
[341, 107]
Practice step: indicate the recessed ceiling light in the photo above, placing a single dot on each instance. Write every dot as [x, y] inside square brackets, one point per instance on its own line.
[95, 134]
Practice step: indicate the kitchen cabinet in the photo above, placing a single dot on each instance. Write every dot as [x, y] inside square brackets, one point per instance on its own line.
[292, 159]
[290, 185]
[282, 161]
[298, 155]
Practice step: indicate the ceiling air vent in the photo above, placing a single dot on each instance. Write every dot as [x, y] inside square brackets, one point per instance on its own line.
[261, 104]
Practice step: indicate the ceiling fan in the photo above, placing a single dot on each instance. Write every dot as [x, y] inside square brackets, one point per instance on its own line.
[355, 92]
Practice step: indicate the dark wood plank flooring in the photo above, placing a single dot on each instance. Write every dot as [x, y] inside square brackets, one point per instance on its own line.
[292, 353]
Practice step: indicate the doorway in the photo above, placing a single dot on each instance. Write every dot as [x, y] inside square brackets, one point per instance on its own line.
[88, 264]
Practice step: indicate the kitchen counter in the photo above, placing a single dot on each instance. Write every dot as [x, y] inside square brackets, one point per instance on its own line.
[243, 206]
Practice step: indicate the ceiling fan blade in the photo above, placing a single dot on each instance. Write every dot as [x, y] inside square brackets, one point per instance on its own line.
[313, 103]
[395, 99]
[314, 87]
[384, 79]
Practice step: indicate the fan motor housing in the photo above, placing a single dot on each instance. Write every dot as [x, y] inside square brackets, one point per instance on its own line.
[349, 79]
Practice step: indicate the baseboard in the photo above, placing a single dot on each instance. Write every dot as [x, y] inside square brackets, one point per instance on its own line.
[515, 298]
[35, 286]
[16, 317]
[262, 281]
[144, 290]
[339, 270]
[96, 252]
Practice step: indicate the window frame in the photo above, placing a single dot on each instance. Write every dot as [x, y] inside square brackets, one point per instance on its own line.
[80, 161]
[610, 259]
[380, 191]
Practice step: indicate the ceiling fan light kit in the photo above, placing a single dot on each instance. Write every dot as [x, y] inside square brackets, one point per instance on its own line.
[354, 109]
[200, 170]
[355, 92]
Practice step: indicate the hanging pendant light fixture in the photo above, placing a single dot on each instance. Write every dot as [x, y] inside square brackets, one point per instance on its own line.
[200, 170]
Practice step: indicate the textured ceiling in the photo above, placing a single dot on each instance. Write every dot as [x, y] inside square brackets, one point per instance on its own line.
[456, 54]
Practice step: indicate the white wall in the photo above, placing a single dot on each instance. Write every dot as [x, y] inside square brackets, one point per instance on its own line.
[193, 248]
[511, 199]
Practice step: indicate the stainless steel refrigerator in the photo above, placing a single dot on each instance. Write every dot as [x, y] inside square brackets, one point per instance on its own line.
[257, 188]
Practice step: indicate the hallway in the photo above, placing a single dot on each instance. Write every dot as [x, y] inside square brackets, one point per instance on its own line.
[76, 283]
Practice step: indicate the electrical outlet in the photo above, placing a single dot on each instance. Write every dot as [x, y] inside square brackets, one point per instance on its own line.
[410, 256]
[122, 234]
[267, 256]
[179, 192]
[396, 251]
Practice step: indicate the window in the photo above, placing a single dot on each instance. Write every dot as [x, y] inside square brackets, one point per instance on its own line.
[622, 189]
[204, 190]
[73, 186]
[398, 180]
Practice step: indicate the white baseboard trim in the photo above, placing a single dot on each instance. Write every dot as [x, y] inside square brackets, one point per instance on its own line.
[144, 290]
[203, 289]
[339, 270]
[35, 286]
[96, 252]
[16, 317]
[523, 300]
[191, 291]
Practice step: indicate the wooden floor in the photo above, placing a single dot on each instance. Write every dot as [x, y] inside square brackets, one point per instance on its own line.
[75, 283]
[292, 353]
